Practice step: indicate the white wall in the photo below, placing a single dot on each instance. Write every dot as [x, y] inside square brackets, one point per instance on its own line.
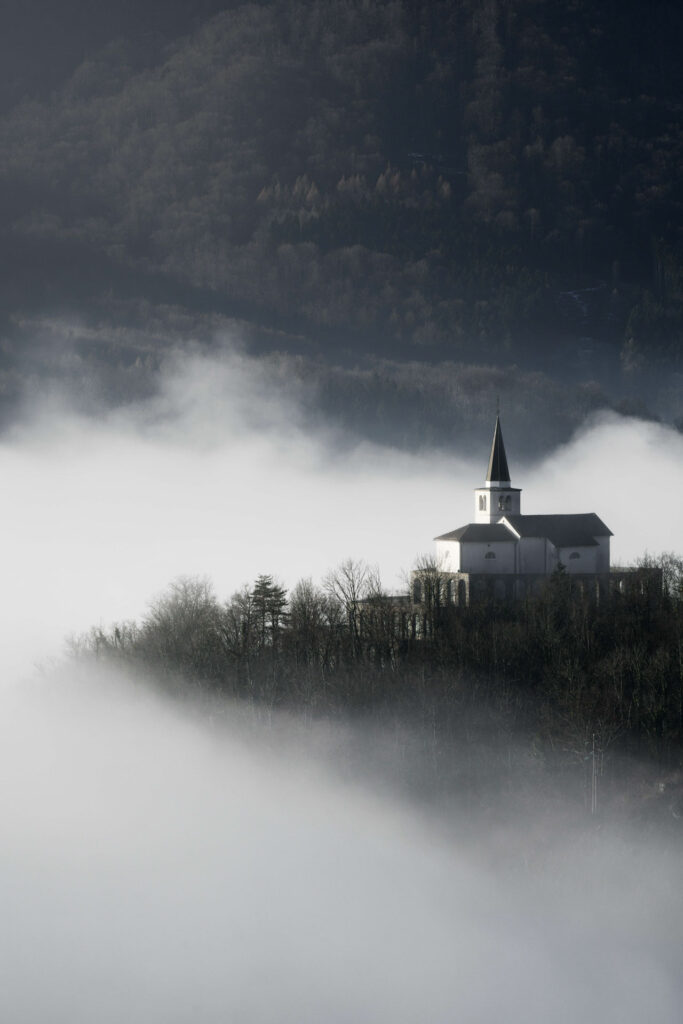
[492, 513]
[473, 557]
[591, 559]
[586, 562]
[448, 555]
[534, 555]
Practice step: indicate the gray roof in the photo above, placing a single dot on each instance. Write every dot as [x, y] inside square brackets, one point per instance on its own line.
[478, 532]
[577, 530]
[564, 531]
[498, 463]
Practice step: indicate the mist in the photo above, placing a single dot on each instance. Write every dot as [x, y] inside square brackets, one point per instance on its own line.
[173, 862]
[223, 474]
[155, 867]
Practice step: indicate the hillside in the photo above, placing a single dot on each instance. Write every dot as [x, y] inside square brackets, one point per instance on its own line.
[483, 184]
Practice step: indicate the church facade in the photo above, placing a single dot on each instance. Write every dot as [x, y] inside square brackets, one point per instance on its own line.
[505, 554]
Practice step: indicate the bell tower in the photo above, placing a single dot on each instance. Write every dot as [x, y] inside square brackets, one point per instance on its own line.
[497, 497]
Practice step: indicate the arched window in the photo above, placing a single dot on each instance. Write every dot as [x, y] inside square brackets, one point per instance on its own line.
[490, 554]
[501, 503]
[482, 502]
[417, 591]
[508, 502]
[575, 554]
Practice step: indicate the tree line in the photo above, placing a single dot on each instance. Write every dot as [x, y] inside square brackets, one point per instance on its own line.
[557, 668]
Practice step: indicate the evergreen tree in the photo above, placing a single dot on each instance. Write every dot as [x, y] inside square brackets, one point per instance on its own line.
[269, 603]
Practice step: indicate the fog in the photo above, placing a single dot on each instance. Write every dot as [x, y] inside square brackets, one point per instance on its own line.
[223, 474]
[164, 864]
[155, 868]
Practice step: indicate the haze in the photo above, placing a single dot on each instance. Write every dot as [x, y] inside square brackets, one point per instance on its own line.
[224, 474]
[170, 863]
[155, 868]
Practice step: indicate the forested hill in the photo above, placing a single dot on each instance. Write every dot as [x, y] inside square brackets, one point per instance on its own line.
[555, 677]
[471, 181]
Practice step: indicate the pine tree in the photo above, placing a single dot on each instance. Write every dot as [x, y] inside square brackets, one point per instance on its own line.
[270, 602]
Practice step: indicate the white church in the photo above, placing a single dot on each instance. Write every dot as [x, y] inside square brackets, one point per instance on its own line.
[507, 555]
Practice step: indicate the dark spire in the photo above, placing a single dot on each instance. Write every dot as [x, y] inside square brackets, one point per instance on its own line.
[498, 463]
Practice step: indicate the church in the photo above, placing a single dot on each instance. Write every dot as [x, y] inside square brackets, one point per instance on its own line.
[506, 555]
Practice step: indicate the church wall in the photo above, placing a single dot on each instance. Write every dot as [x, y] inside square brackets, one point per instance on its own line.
[603, 555]
[492, 503]
[587, 560]
[448, 555]
[458, 590]
[533, 555]
[493, 558]
[552, 557]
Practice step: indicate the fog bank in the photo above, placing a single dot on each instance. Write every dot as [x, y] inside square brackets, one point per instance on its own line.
[160, 865]
[157, 869]
[221, 474]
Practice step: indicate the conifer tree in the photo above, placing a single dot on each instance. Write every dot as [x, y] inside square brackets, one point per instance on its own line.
[269, 602]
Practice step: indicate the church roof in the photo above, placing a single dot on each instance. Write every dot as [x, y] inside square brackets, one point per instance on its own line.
[498, 463]
[480, 532]
[577, 530]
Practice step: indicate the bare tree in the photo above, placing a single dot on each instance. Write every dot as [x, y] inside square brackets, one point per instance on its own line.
[430, 588]
[182, 631]
[239, 629]
[671, 567]
[350, 584]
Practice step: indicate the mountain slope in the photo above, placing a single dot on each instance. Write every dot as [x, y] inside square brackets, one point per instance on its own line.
[472, 181]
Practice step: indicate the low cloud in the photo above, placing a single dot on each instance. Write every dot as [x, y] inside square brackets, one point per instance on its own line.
[161, 865]
[158, 869]
[221, 474]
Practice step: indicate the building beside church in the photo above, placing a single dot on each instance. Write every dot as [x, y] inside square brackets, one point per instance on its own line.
[506, 555]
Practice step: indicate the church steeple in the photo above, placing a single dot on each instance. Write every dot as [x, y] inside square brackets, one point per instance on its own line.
[496, 498]
[498, 472]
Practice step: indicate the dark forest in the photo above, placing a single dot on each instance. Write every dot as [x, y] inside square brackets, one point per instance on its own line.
[355, 185]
